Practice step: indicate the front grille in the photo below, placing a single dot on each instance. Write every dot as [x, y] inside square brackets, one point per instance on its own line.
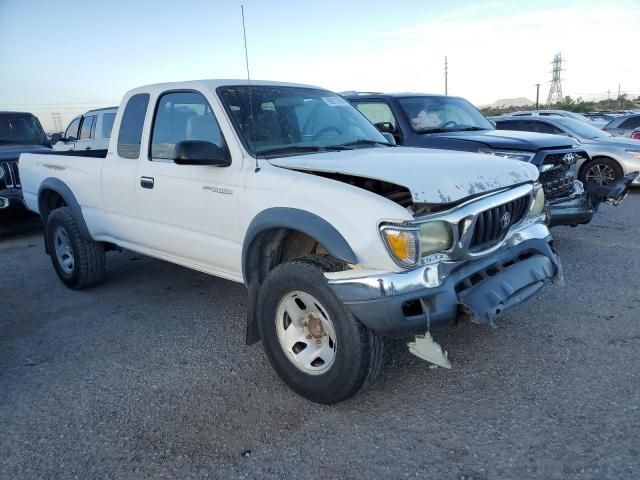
[558, 182]
[11, 176]
[491, 225]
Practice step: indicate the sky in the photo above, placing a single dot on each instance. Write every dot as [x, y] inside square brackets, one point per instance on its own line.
[67, 56]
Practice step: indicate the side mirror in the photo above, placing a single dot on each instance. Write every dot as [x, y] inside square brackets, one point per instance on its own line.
[198, 152]
[55, 138]
[390, 138]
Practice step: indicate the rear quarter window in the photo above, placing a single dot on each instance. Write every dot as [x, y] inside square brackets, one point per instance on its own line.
[107, 124]
[130, 134]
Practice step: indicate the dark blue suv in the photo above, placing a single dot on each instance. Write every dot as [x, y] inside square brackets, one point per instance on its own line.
[452, 123]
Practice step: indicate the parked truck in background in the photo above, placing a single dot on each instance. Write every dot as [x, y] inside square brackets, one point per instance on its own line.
[341, 238]
[20, 132]
[452, 123]
[90, 131]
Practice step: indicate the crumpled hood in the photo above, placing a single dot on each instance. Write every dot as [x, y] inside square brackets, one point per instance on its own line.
[432, 176]
[12, 152]
[524, 141]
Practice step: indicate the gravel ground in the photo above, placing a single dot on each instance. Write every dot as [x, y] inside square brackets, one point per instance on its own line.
[147, 376]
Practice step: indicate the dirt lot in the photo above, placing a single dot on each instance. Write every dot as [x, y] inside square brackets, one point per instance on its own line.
[147, 376]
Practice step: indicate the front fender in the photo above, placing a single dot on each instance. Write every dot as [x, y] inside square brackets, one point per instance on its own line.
[299, 220]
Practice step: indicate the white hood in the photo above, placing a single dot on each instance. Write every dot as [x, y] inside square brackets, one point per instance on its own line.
[432, 176]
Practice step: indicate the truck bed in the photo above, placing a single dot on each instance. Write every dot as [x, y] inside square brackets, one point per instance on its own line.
[80, 172]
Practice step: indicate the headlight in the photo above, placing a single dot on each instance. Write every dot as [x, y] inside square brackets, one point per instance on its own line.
[435, 237]
[408, 244]
[633, 153]
[403, 244]
[1, 173]
[538, 204]
[523, 156]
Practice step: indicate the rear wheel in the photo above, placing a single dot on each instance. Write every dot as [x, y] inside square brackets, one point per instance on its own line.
[600, 171]
[79, 263]
[314, 343]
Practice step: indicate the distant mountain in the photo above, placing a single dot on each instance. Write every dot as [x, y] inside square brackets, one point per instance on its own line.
[511, 103]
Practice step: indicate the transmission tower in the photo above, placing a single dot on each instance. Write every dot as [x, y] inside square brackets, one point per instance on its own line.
[555, 92]
[57, 122]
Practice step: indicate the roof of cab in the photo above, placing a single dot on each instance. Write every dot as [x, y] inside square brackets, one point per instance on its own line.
[213, 84]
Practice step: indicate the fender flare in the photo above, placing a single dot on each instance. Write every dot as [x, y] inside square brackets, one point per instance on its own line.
[58, 186]
[299, 220]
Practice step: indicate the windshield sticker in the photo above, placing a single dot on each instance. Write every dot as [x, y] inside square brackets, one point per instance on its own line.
[335, 101]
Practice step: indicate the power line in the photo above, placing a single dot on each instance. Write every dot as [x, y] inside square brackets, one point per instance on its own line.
[555, 92]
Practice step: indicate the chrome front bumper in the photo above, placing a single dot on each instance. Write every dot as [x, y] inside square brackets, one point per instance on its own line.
[431, 296]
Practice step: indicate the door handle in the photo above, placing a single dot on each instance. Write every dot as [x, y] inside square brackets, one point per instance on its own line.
[146, 182]
[88, 148]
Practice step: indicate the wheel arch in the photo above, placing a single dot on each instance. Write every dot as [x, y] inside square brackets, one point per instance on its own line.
[280, 234]
[283, 219]
[54, 193]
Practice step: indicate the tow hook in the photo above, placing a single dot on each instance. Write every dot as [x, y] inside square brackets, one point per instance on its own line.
[426, 348]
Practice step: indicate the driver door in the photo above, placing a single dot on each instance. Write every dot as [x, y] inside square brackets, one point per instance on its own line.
[188, 212]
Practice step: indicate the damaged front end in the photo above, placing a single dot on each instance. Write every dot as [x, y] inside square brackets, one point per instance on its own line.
[491, 267]
[580, 207]
[569, 201]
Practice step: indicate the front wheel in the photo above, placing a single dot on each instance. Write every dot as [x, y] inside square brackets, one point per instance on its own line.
[314, 343]
[600, 171]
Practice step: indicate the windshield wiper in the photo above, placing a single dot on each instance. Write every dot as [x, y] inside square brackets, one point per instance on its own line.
[365, 141]
[302, 149]
[451, 129]
[9, 142]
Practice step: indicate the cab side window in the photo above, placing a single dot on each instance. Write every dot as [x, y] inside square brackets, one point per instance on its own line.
[378, 113]
[130, 134]
[71, 134]
[87, 127]
[182, 116]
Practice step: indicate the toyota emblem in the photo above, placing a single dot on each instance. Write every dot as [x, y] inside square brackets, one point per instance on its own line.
[569, 158]
[505, 220]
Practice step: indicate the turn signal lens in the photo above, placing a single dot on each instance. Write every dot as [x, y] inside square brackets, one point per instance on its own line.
[403, 244]
[538, 204]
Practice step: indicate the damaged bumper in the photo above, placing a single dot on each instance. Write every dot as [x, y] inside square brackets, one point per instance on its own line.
[583, 204]
[402, 303]
[576, 209]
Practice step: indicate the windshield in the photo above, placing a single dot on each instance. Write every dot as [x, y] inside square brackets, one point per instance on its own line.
[438, 114]
[21, 130]
[581, 129]
[276, 121]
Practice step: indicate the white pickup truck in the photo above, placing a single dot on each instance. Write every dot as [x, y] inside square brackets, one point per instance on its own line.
[341, 238]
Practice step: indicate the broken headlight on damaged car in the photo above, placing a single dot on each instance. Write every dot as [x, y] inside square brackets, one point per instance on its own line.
[407, 244]
[538, 207]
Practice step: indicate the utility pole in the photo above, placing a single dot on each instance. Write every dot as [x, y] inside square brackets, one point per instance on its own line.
[609, 98]
[446, 76]
[537, 96]
[619, 97]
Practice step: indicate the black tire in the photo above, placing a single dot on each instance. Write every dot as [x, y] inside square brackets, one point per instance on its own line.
[360, 352]
[604, 161]
[88, 256]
